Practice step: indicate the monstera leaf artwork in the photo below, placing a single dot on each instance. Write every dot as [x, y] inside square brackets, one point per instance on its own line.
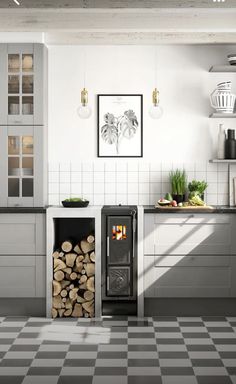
[120, 125]
[116, 129]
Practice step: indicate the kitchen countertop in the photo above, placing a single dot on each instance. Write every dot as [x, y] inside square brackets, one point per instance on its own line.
[215, 209]
[23, 209]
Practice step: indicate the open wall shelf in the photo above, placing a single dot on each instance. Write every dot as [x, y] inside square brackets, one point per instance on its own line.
[223, 68]
[216, 115]
[225, 161]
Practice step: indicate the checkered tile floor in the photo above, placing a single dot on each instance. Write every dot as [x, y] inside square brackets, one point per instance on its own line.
[118, 351]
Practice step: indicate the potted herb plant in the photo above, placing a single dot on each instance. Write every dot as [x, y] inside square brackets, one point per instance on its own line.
[197, 188]
[178, 180]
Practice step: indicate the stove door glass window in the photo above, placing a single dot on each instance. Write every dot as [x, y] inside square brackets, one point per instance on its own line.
[120, 243]
[119, 232]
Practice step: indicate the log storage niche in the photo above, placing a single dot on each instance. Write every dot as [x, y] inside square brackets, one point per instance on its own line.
[73, 285]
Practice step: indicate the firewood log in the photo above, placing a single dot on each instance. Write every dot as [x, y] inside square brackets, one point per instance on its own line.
[90, 269]
[73, 294]
[83, 286]
[80, 299]
[61, 312]
[67, 270]
[86, 258]
[83, 279]
[77, 249]
[68, 304]
[57, 302]
[90, 284]
[90, 239]
[92, 257]
[64, 283]
[88, 295]
[70, 259]
[56, 287]
[56, 254]
[68, 312]
[80, 258]
[79, 266]
[64, 300]
[54, 313]
[83, 272]
[58, 264]
[88, 306]
[77, 311]
[67, 246]
[87, 247]
[59, 275]
[63, 293]
[85, 314]
[73, 276]
[71, 286]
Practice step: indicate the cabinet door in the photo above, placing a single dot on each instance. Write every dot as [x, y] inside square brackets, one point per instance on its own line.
[23, 84]
[22, 234]
[22, 276]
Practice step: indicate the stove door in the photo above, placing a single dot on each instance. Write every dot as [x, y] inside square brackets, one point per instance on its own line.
[119, 239]
[118, 281]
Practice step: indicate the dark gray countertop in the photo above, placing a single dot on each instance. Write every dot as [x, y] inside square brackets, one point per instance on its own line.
[23, 209]
[215, 209]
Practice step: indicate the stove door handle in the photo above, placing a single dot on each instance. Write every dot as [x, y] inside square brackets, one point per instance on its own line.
[108, 283]
[108, 246]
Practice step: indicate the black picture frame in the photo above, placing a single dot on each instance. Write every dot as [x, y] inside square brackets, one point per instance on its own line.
[105, 149]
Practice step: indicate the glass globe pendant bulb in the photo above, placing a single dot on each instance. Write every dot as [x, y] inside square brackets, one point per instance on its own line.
[156, 111]
[84, 111]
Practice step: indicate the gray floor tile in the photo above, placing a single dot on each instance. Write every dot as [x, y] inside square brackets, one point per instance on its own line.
[50, 355]
[79, 362]
[44, 371]
[111, 371]
[179, 380]
[142, 347]
[11, 379]
[112, 355]
[200, 347]
[40, 380]
[110, 380]
[177, 371]
[214, 380]
[143, 379]
[74, 380]
[143, 363]
[173, 355]
[15, 363]
[207, 363]
[24, 348]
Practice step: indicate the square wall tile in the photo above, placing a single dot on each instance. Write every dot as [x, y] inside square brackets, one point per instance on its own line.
[132, 177]
[110, 188]
[99, 199]
[110, 177]
[76, 189]
[76, 167]
[110, 199]
[121, 177]
[133, 199]
[53, 199]
[121, 188]
[87, 188]
[99, 177]
[212, 177]
[65, 188]
[122, 199]
[133, 188]
[87, 177]
[155, 177]
[144, 177]
[53, 177]
[53, 188]
[143, 199]
[76, 177]
[99, 188]
[65, 177]
[99, 166]
[87, 166]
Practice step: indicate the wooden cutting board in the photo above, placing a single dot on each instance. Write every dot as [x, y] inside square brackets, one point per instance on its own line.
[205, 207]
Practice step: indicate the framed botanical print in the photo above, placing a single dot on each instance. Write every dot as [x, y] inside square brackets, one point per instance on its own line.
[120, 125]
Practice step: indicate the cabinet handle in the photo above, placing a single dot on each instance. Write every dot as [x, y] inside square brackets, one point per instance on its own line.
[108, 246]
[108, 283]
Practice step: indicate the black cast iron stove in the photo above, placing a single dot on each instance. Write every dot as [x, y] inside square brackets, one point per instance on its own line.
[119, 260]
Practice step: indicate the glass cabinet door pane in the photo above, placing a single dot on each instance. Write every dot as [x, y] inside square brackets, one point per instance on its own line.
[27, 63]
[27, 84]
[13, 145]
[13, 84]
[27, 105]
[27, 145]
[14, 63]
[13, 187]
[27, 187]
[13, 105]
[13, 166]
[27, 166]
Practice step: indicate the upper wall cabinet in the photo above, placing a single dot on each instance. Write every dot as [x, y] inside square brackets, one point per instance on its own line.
[23, 84]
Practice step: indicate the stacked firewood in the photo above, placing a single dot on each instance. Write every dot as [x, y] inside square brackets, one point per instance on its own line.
[73, 283]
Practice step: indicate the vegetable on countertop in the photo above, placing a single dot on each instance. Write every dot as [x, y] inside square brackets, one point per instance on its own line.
[197, 187]
[75, 199]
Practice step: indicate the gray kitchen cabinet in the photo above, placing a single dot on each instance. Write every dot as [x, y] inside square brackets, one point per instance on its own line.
[189, 255]
[23, 124]
[22, 255]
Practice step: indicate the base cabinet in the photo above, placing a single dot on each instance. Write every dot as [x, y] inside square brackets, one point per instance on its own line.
[22, 256]
[189, 256]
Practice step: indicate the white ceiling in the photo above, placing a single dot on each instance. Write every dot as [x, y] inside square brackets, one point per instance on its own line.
[123, 21]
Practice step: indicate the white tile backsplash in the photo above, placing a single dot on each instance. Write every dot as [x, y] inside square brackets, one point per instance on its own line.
[130, 182]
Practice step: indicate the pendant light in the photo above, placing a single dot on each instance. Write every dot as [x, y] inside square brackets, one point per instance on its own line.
[156, 110]
[84, 111]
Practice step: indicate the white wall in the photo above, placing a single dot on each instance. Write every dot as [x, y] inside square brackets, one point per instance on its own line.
[184, 133]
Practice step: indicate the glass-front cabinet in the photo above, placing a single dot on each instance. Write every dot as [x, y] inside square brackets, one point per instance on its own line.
[23, 76]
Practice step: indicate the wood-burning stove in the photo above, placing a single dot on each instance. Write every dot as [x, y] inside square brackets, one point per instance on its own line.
[119, 260]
